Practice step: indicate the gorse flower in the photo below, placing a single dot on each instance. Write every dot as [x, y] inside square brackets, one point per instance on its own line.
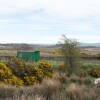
[7, 77]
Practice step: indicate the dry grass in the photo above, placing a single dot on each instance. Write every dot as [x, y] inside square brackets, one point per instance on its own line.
[53, 89]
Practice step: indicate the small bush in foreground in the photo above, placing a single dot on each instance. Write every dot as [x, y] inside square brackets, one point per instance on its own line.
[95, 71]
[7, 77]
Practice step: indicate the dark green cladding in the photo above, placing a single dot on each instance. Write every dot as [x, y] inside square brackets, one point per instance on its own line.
[25, 55]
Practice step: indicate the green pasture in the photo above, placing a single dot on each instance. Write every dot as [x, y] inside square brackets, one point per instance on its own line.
[91, 61]
[83, 61]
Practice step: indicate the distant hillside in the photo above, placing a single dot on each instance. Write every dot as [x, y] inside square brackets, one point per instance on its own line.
[82, 44]
[90, 45]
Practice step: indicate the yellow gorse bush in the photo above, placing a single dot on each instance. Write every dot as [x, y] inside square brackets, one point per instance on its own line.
[30, 80]
[16, 72]
[14, 81]
[44, 64]
[7, 77]
[4, 71]
[95, 71]
[39, 73]
[46, 68]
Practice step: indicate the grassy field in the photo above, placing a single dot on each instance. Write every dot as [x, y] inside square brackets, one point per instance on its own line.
[59, 87]
[92, 62]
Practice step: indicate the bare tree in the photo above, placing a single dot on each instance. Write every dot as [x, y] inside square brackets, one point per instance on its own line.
[71, 54]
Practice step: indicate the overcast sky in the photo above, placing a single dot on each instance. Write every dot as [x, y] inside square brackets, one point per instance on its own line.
[43, 21]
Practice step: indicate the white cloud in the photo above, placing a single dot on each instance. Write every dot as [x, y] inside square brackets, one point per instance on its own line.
[51, 15]
[71, 9]
[67, 9]
[17, 6]
[80, 27]
[43, 38]
[28, 38]
[37, 27]
[9, 21]
[85, 38]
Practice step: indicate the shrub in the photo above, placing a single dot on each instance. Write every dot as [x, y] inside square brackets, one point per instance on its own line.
[71, 54]
[39, 74]
[87, 81]
[4, 72]
[83, 73]
[95, 71]
[14, 81]
[30, 80]
[61, 68]
[7, 77]
[17, 67]
[46, 68]
[30, 74]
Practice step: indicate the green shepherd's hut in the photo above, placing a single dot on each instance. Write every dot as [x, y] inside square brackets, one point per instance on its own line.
[29, 55]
